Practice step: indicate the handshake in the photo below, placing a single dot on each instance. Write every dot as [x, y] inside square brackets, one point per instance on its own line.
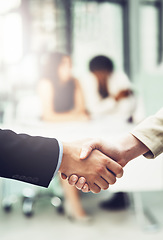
[96, 164]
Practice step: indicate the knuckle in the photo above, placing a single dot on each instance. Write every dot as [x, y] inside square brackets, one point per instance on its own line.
[96, 190]
[93, 178]
[100, 169]
[108, 163]
[120, 174]
[105, 161]
[113, 181]
[106, 187]
[119, 170]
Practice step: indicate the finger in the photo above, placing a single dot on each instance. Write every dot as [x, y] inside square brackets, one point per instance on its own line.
[85, 188]
[72, 180]
[94, 188]
[85, 152]
[80, 183]
[63, 176]
[120, 175]
[108, 176]
[115, 168]
[102, 183]
[89, 147]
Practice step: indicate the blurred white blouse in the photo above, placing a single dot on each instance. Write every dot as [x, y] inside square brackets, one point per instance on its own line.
[98, 106]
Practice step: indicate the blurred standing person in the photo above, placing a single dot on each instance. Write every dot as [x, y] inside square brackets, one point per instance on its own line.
[111, 91]
[62, 100]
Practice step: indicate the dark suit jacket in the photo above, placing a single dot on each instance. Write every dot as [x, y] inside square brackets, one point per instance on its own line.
[28, 159]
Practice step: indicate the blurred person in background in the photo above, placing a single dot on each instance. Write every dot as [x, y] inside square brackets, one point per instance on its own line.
[62, 100]
[111, 91]
[60, 93]
[111, 95]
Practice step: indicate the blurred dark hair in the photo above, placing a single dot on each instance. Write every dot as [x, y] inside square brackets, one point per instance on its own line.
[101, 62]
[49, 66]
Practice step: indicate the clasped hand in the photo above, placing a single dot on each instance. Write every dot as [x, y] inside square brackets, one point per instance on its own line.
[108, 160]
[89, 168]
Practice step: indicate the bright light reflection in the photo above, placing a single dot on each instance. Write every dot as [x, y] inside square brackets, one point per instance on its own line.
[12, 38]
[7, 5]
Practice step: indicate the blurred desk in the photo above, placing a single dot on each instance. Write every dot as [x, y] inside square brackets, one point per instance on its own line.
[139, 175]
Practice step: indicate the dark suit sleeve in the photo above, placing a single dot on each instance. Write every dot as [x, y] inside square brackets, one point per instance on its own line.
[28, 159]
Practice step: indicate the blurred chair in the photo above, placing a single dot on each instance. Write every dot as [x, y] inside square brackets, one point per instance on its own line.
[28, 111]
[13, 190]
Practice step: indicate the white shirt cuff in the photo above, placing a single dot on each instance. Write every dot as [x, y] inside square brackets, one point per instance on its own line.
[59, 158]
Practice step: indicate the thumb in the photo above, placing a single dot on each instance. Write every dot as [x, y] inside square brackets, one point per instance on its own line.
[89, 147]
[85, 152]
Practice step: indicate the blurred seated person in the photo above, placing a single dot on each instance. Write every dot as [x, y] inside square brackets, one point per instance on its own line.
[62, 100]
[111, 91]
[60, 93]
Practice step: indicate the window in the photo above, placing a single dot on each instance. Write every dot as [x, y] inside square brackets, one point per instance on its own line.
[149, 36]
[98, 29]
[11, 32]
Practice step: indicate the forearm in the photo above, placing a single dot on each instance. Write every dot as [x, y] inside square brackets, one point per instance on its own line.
[79, 112]
[150, 132]
[27, 158]
[78, 109]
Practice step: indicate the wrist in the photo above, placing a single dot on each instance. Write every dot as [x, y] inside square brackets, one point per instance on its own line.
[65, 153]
[71, 154]
[130, 147]
[124, 148]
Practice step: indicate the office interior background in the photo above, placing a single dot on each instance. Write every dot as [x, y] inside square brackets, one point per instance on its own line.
[131, 34]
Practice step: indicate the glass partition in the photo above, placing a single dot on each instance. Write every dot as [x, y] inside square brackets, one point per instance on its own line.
[98, 29]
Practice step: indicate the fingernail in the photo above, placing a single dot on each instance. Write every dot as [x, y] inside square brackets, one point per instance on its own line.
[81, 180]
[83, 154]
[119, 175]
[73, 178]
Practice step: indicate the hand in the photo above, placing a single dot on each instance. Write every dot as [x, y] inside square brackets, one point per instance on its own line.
[94, 168]
[123, 94]
[80, 116]
[122, 151]
[83, 117]
[113, 150]
[88, 147]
